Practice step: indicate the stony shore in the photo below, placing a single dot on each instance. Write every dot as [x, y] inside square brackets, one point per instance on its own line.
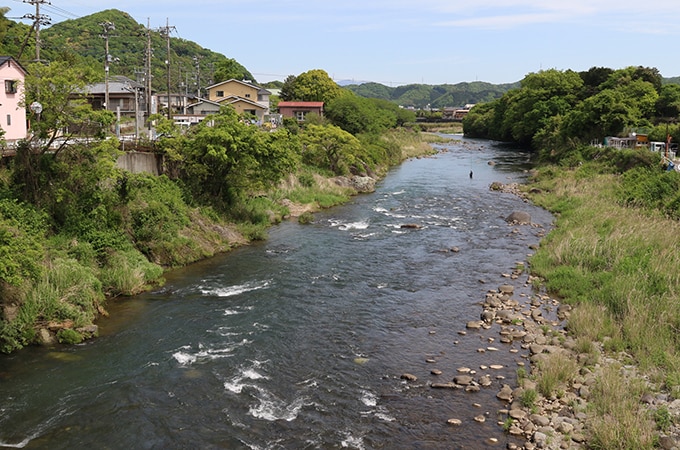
[531, 326]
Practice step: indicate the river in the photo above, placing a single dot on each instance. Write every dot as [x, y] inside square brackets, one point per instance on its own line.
[300, 341]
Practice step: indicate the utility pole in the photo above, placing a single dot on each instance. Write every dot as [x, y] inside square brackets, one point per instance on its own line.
[108, 27]
[165, 31]
[38, 19]
[197, 62]
[148, 68]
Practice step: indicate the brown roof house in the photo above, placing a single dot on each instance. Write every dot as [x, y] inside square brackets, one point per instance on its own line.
[299, 110]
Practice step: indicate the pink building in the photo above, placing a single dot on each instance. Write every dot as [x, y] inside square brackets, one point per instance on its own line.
[12, 114]
[299, 110]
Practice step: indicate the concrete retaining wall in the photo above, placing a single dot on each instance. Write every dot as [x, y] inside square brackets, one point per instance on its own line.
[137, 162]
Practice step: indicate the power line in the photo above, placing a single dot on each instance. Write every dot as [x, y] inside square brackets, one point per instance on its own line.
[55, 10]
[38, 19]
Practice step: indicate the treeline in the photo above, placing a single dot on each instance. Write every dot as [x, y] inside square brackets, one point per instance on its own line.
[558, 111]
[76, 230]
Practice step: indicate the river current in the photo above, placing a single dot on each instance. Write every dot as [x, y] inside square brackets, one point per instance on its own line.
[300, 341]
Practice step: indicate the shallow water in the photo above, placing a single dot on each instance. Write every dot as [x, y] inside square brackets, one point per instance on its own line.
[300, 341]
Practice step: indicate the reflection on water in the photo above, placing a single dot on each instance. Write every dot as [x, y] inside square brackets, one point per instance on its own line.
[300, 341]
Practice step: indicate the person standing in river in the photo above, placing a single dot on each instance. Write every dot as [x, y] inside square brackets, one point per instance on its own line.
[471, 174]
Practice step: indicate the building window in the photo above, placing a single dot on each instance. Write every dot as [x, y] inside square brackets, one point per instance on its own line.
[11, 86]
[9, 120]
[300, 115]
[247, 95]
[220, 93]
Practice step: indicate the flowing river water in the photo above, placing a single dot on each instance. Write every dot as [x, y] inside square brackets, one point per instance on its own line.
[300, 341]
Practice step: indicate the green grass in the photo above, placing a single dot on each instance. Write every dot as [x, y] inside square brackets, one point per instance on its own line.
[613, 256]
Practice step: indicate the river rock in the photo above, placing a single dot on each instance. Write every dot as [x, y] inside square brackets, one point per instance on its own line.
[454, 422]
[485, 380]
[505, 393]
[506, 289]
[474, 325]
[540, 420]
[540, 439]
[462, 380]
[45, 337]
[519, 217]
[358, 183]
[488, 316]
[409, 377]
[445, 386]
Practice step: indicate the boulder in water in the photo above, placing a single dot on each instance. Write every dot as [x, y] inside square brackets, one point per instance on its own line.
[519, 217]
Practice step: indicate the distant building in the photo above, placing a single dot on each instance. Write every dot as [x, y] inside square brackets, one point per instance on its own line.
[122, 96]
[299, 110]
[195, 112]
[456, 113]
[244, 97]
[12, 114]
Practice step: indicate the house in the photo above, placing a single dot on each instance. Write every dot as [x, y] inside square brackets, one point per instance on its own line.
[299, 110]
[456, 114]
[12, 114]
[122, 95]
[196, 112]
[245, 97]
[178, 103]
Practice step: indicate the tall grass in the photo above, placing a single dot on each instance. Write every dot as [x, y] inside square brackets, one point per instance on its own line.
[617, 419]
[619, 265]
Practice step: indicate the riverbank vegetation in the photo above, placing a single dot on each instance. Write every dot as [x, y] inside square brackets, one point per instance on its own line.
[76, 230]
[612, 253]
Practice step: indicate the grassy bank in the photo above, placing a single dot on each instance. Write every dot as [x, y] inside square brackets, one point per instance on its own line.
[613, 256]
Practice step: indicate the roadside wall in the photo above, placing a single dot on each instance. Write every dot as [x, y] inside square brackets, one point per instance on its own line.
[137, 162]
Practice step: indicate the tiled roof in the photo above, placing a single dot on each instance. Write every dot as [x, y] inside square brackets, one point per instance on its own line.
[301, 104]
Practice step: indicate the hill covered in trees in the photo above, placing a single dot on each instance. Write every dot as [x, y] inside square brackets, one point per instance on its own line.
[80, 41]
[436, 96]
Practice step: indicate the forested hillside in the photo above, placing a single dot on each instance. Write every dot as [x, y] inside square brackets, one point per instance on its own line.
[80, 41]
[437, 96]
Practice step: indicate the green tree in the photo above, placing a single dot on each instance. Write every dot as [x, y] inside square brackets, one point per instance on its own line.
[314, 86]
[63, 115]
[543, 95]
[668, 103]
[229, 68]
[225, 157]
[330, 148]
[607, 113]
[288, 88]
[357, 115]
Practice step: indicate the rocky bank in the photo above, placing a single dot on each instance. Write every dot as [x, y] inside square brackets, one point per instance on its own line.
[532, 328]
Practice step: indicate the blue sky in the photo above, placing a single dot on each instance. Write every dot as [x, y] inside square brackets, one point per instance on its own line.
[398, 42]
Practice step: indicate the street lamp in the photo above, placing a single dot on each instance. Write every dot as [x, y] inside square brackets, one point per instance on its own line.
[36, 108]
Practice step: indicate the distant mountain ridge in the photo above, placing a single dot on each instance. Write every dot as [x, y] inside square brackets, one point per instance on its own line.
[434, 96]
